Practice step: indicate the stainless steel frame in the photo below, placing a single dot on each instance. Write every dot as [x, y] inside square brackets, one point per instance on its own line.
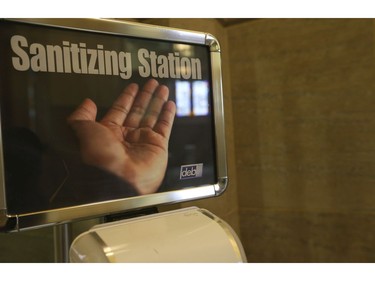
[64, 215]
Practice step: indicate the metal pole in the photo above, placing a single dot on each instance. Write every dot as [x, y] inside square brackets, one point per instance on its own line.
[62, 241]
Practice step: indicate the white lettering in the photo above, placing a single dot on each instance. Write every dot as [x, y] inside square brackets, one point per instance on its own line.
[93, 54]
[125, 65]
[54, 59]
[196, 68]
[144, 70]
[185, 68]
[163, 66]
[79, 58]
[21, 62]
[69, 58]
[170, 66]
[38, 62]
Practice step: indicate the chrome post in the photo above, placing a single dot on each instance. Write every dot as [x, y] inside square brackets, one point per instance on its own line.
[62, 240]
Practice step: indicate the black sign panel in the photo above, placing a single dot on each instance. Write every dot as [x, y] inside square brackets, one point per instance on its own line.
[91, 117]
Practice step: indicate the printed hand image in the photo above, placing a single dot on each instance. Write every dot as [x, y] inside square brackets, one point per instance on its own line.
[131, 140]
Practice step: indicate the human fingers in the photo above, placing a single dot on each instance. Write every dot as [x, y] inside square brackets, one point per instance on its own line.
[140, 104]
[85, 111]
[164, 124]
[121, 107]
[156, 104]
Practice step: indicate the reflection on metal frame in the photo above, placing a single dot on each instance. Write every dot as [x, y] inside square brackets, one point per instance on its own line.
[51, 217]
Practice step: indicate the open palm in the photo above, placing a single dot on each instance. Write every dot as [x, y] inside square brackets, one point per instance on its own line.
[131, 140]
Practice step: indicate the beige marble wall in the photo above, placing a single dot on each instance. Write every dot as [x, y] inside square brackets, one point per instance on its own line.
[303, 90]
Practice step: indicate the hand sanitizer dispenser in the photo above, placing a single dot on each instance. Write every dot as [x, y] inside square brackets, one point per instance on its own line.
[184, 235]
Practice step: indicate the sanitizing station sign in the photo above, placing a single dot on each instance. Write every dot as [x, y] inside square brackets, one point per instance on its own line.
[101, 116]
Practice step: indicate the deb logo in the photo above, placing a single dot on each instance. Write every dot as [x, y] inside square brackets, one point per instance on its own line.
[191, 171]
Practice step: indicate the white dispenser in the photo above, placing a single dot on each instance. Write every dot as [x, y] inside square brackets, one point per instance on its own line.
[184, 235]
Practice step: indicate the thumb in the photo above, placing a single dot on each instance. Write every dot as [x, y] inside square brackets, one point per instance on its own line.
[86, 111]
